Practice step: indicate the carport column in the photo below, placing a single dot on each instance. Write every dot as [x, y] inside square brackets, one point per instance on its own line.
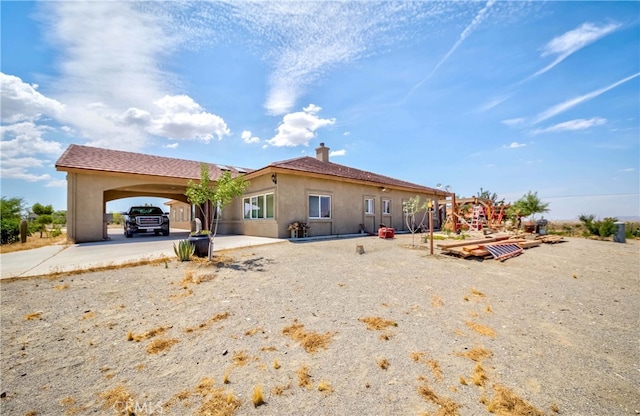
[71, 206]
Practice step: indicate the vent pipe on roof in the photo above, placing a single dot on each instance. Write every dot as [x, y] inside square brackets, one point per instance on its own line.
[322, 153]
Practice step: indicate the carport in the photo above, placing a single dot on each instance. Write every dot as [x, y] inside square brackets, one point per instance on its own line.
[96, 176]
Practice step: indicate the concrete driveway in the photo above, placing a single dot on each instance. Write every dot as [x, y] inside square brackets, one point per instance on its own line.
[115, 251]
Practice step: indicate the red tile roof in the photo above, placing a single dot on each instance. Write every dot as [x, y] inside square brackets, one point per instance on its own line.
[105, 160]
[314, 166]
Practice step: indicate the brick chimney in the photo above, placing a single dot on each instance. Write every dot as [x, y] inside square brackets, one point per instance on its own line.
[322, 153]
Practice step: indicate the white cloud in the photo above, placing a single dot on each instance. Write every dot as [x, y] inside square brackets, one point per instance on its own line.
[477, 20]
[627, 170]
[513, 145]
[567, 105]
[299, 128]
[112, 79]
[346, 133]
[183, 118]
[24, 162]
[22, 101]
[571, 125]
[26, 139]
[572, 41]
[341, 152]
[494, 102]
[22, 174]
[171, 146]
[513, 121]
[248, 138]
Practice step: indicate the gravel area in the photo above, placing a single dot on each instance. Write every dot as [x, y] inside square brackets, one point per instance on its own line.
[323, 330]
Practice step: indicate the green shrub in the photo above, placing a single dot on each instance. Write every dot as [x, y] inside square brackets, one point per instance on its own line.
[184, 250]
[10, 230]
[601, 228]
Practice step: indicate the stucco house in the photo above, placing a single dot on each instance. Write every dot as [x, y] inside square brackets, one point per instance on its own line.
[331, 199]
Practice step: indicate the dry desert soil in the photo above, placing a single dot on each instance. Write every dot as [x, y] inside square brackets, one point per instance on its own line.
[314, 328]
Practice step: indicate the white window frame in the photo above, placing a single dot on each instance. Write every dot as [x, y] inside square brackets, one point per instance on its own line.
[320, 197]
[369, 206]
[255, 200]
[386, 207]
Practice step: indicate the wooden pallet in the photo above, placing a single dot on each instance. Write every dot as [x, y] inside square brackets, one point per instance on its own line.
[550, 239]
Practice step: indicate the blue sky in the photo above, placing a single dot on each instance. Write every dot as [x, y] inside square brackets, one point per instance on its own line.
[504, 96]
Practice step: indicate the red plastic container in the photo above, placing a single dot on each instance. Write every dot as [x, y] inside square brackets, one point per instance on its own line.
[386, 232]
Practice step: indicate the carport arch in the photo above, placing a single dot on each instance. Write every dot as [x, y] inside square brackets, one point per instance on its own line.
[88, 194]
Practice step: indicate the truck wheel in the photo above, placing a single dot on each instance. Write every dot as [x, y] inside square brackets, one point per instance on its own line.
[127, 234]
[165, 232]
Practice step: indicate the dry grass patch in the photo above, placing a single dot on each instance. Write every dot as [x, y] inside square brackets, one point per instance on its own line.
[191, 277]
[506, 403]
[476, 292]
[204, 325]
[33, 242]
[146, 335]
[279, 390]
[481, 329]
[325, 387]
[422, 357]
[253, 331]
[216, 401]
[182, 294]
[383, 363]
[386, 336]
[33, 316]
[257, 397]
[310, 341]
[61, 287]
[240, 359]
[115, 398]
[479, 375]
[476, 354]
[446, 406]
[304, 378]
[437, 302]
[375, 323]
[161, 344]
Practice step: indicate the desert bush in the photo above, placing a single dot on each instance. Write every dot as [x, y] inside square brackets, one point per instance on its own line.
[600, 228]
[632, 230]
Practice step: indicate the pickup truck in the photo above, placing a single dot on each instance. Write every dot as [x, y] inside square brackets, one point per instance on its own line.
[143, 219]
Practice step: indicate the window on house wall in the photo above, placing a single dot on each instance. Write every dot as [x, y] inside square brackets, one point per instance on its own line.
[369, 206]
[181, 214]
[258, 207]
[386, 206]
[319, 206]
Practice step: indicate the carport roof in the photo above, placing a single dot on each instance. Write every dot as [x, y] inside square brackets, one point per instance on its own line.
[106, 160]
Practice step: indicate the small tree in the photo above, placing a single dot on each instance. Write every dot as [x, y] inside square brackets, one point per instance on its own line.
[410, 209]
[529, 205]
[40, 209]
[220, 195]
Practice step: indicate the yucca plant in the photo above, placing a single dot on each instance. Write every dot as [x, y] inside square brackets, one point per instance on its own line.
[184, 250]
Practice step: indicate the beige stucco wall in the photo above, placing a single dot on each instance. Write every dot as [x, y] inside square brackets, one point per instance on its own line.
[347, 206]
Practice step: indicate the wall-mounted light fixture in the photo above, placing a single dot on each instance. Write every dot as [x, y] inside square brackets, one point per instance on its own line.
[274, 178]
[383, 189]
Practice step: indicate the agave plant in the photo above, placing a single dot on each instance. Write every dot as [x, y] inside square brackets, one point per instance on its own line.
[184, 250]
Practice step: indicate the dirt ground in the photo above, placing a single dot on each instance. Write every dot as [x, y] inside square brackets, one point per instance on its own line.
[314, 328]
